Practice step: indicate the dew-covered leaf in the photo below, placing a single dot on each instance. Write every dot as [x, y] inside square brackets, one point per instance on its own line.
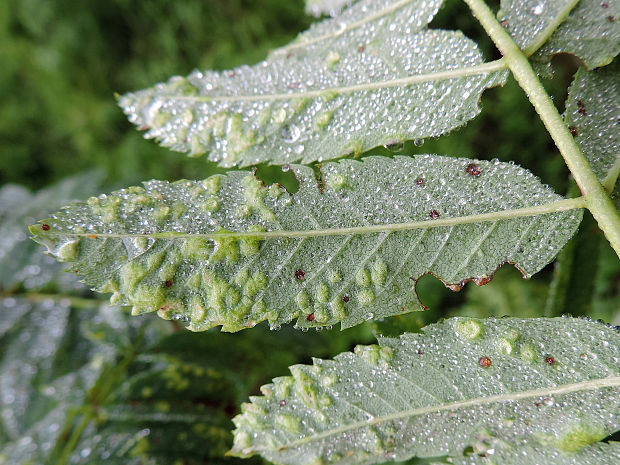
[21, 261]
[373, 75]
[593, 117]
[588, 29]
[463, 386]
[530, 22]
[346, 248]
[111, 385]
[326, 7]
[591, 32]
[595, 454]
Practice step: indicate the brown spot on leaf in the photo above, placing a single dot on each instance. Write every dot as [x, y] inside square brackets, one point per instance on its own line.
[504, 22]
[473, 170]
[310, 317]
[300, 274]
[611, 19]
[45, 227]
[345, 298]
[573, 131]
[168, 283]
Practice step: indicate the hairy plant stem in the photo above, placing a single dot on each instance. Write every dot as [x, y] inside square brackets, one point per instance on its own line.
[596, 198]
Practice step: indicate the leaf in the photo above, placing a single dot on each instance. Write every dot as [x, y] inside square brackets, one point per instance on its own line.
[373, 75]
[591, 32]
[465, 385]
[21, 261]
[326, 7]
[530, 22]
[230, 251]
[593, 116]
[548, 27]
[594, 454]
[88, 386]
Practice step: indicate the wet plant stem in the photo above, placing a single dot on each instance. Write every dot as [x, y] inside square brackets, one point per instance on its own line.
[596, 198]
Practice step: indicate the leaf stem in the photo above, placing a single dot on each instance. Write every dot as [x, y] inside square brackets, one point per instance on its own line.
[596, 198]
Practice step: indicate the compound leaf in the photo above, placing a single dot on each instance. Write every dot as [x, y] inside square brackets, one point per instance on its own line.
[463, 386]
[345, 248]
[373, 75]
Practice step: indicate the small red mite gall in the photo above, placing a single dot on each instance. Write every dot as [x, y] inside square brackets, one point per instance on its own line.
[434, 214]
[419, 181]
[168, 282]
[484, 362]
[299, 274]
[473, 170]
[282, 403]
[45, 227]
[310, 317]
[345, 298]
[549, 360]
[573, 131]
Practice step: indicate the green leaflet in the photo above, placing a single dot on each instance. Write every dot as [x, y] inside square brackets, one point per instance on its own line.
[530, 22]
[592, 114]
[373, 75]
[21, 261]
[346, 248]
[595, 454]
[465, 385]
[590, 31]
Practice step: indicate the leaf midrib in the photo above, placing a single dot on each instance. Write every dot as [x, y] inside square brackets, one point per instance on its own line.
[589, 385]
[553, 207]
[475, 70]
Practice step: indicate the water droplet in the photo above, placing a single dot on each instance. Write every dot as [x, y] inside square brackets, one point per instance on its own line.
[418, 142]
[290, 133]
[538, 9]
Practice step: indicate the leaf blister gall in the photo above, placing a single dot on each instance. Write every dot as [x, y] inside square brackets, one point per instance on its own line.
[222, 264]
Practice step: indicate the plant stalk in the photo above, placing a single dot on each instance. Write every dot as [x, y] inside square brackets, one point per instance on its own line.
[596, 198]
